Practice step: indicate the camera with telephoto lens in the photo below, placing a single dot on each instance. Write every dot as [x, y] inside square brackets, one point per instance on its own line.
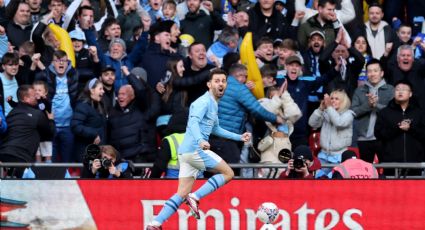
[92, 153]
[285, 155]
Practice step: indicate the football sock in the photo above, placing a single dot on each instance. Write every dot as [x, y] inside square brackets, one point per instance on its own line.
[210, 186]
[170, 207]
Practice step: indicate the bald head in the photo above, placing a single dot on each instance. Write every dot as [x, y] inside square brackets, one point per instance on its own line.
[125, 95]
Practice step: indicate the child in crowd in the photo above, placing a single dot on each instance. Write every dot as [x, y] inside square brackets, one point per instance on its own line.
[169, 11]
[43, 103]
[155, 10]
[268, 74]
[264, 51]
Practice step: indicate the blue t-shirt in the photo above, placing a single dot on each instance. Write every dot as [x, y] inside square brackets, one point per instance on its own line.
[10, 87]
[61, 103]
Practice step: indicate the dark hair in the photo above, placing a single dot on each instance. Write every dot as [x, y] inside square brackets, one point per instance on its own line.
[216, 71]
[289, 44]
[368, 49]
[375, 4]
[12, 8]
[23, 92]
[322, 3]
[194, 44]
[106, 24]
[404, 82]
[374, 61]
[172, 67]
[43, 83]
[404, 25]
[61, 1]
[85, 7]
[236, 68]
[268, 70]
[59, 54]
[270, 89]
[85, 96]
[169, 2]
[29, 47]
[264, 40]
[12, 58]
[229, 59]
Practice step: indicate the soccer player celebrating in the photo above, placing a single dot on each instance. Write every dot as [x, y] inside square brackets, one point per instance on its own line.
[194, 153]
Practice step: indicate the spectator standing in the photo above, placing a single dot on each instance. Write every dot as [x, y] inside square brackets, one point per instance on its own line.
[19, 27]
[131, 127]
[266, 21]
[325, 21]
[199, 24]
[8, 82]
[368, 100]
[107, 78]
[401, 128]
[26, 125]
[62, 80]
[378, 33]
[336, 122]
[89, 122]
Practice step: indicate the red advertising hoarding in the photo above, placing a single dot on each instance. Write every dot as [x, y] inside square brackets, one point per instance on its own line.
[131, 204]
[321, 204]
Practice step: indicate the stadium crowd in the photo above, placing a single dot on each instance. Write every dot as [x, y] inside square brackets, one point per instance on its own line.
[338, 75]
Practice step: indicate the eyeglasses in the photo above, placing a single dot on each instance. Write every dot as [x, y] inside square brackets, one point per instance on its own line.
[61, 60]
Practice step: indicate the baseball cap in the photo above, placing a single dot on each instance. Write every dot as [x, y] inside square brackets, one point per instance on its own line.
[318, 33]
[77, 35]
[140, 73]
[108, 68]
[292, 59]
[303, 150]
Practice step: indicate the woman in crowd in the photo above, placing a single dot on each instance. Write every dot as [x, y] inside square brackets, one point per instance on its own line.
[336, 122]
[109, 165]
[89, 121]
[173, 100]
[361, 45]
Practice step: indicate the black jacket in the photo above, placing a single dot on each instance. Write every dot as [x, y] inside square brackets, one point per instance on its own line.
[194, 82]
[155, 63]
[415, 76]
[398, 145]
[355, 63]
[275, 26]
[86, 67]
[26, 126]
[18, 35]
[131, 130]
[202, 26]
[86, 124]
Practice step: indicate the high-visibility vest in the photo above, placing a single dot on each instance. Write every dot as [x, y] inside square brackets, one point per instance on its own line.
[174, 140]
[356, 169]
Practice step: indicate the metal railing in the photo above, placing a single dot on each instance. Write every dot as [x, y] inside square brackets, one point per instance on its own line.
[394, 165]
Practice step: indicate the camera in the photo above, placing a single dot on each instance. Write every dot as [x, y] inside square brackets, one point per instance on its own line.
[105, 162]
[92, 153]
[285, 155]
[299, 162]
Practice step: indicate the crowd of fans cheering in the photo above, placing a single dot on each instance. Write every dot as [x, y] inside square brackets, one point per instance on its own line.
[339, 69]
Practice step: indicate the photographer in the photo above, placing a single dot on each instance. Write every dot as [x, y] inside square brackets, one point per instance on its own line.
[105, 162]
[302, 164]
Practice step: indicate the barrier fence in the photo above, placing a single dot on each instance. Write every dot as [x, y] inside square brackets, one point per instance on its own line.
[395, 165]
